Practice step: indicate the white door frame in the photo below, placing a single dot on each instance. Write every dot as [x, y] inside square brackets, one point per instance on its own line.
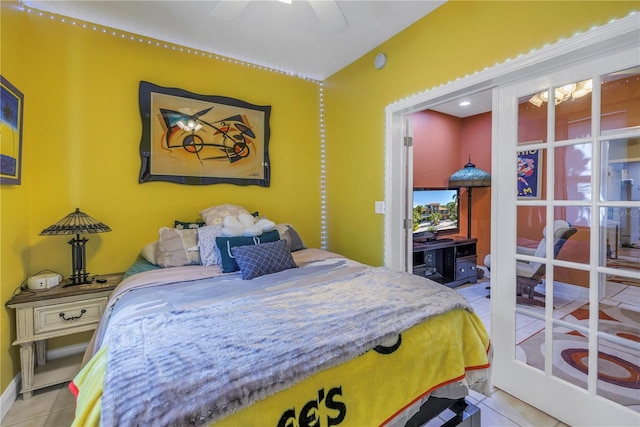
[615, 36]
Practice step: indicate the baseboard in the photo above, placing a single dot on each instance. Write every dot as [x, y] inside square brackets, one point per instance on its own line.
[70, 350]
[10, 394]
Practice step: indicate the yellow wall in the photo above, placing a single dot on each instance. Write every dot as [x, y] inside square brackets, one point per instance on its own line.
[457, 39]
[81, 141]
[82, 130]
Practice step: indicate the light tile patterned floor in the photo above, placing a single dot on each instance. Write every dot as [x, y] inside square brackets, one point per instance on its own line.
[49, 407]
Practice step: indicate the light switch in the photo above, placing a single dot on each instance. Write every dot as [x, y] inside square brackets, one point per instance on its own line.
[379, 207]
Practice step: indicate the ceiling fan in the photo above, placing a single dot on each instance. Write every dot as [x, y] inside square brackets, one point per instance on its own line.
[327, 11]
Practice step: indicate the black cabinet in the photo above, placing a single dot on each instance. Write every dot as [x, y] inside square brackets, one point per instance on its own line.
[450, 261]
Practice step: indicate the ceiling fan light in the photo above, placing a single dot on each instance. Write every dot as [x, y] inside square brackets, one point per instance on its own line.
[579, 93]
[536, 100]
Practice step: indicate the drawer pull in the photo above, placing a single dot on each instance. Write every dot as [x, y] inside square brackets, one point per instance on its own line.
[83, 311]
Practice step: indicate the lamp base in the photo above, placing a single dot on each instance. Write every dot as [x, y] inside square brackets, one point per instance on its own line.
[79, 275]
[74, 281]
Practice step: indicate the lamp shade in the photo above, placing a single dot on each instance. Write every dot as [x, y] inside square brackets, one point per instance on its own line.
[76, 222]
[470, 176]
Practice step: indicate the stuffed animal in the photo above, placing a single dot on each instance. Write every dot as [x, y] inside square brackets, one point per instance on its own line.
[246, 225]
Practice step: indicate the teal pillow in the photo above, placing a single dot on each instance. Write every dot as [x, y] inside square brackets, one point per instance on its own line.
[225, 244]
[266, 258]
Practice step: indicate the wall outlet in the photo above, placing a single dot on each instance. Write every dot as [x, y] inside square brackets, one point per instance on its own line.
[379, 209]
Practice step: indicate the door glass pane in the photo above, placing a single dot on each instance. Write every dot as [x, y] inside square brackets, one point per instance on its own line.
[571, 344]
[571, 296]
[621, 168]
[571, 357]
[619, 237]
[531, 174]
[573, 170]
[619, 335]
[530, 340]
[530, 242]
[620, 95]
[573, 110]
[532, 118]
[531, 222]
[572, 235]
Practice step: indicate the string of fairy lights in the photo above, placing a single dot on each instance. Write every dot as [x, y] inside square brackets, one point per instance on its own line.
[199, 52]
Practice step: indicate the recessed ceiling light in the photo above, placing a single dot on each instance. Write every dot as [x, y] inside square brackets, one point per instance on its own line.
[465, 103]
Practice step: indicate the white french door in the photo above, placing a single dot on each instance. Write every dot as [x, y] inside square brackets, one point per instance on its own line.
[567, 154]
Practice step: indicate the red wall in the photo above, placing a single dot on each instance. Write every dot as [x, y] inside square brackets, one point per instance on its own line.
[442, 145]
[436, 148]
[476, 142]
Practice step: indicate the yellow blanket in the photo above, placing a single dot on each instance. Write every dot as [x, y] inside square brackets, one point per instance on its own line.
[368, 390]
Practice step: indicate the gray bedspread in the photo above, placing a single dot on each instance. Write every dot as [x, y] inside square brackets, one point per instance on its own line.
[194, 363]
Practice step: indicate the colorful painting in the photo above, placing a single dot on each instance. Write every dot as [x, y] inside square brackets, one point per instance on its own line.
[11, 116]
[529, 174]
[197, 139]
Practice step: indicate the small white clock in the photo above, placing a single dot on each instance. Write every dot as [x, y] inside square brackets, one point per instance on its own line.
[380, 61]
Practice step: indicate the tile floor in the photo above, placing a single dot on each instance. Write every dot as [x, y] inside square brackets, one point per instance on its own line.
[49, 407]
[54, 406]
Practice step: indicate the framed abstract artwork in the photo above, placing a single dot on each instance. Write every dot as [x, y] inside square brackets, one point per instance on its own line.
[529, 174]
[189, 138]
[11, 117]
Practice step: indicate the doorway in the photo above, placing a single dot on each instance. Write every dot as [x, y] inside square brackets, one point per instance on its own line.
[578, 405]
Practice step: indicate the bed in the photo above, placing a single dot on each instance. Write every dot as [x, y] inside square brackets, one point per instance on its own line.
[326, 341]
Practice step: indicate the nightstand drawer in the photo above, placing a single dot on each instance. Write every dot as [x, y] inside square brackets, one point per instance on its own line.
[61, 316]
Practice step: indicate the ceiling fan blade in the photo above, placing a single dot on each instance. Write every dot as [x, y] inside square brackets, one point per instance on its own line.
[330, 15]
[228, 10]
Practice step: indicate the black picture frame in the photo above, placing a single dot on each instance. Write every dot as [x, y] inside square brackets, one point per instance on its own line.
[11, 121]
[195, 139]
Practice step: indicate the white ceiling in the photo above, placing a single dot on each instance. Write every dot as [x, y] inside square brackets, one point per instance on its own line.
[310, 38]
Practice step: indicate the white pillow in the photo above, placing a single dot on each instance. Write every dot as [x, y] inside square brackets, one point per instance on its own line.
[177, 247]
[149, 252]
[215, 214]
[209, 252]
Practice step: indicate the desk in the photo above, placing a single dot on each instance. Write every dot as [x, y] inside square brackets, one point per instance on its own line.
[56, 312]
[451, 261]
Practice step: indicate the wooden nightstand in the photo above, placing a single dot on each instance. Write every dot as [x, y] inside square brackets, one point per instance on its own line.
[56, 312]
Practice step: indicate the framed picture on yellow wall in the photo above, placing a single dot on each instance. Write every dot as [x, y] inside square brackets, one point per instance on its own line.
[11, 117]
[190, 138]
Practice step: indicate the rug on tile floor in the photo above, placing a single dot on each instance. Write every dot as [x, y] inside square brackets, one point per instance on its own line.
[618, 365]
[625, 264]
